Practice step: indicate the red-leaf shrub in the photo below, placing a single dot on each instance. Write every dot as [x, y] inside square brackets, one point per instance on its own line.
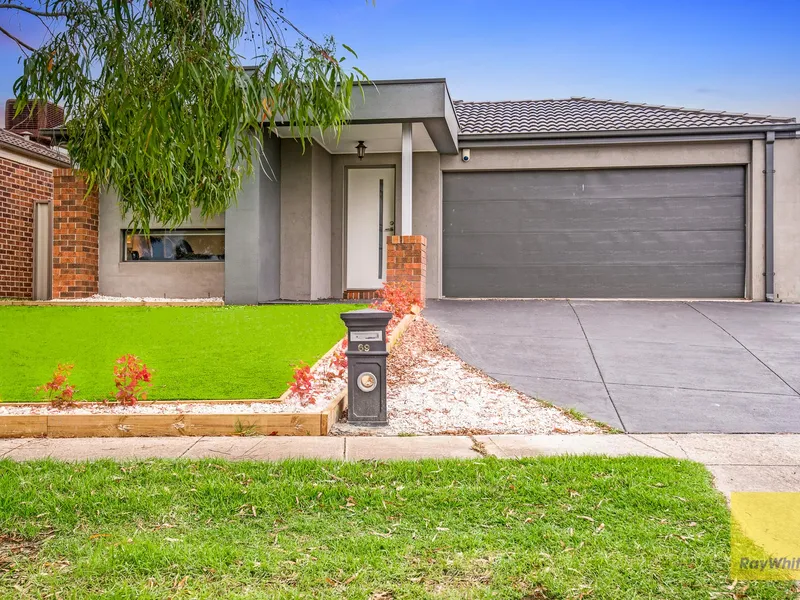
[302, 383]
[131, 378]
[338, 362]
[396, 298]
[58, 392]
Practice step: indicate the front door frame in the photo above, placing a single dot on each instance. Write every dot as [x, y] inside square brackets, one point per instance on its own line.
[346, 198]
[42, 239]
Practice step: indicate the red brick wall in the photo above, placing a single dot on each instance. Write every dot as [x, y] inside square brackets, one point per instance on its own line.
[75, 250]
[360, 294]
[406, 260]
[20, 187]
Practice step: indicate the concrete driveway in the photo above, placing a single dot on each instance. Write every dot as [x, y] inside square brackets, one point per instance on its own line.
[643, 367]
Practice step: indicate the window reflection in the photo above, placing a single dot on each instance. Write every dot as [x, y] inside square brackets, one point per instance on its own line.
[175, 244]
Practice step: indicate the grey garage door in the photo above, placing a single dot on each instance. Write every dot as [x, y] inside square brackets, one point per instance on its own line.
[621, 233]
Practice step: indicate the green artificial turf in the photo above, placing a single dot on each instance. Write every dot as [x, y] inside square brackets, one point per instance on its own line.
[194, 352]
[554, 528]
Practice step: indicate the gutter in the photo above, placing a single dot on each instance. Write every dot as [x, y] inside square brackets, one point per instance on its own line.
[693, 131]
[58, 133]
[769, 217]
[608, 141]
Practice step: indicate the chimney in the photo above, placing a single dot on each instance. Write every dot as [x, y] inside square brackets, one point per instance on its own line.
[33, 119]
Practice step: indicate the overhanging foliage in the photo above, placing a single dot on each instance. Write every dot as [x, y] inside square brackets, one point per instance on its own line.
[159, 103]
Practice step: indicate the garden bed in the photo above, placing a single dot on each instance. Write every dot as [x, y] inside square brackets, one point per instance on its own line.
[195, 353]
[430, 391]
[288, 415]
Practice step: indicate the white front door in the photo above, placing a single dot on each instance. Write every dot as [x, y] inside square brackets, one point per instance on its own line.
[370, 218]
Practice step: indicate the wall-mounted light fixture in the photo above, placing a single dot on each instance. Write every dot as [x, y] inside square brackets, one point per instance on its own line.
[361, 149]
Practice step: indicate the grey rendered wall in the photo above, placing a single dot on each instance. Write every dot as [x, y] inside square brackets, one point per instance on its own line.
[599, 157]
[320, 223]
[410, 101]
[241, 242]
[252, 239]
[787, 220]
[269, 281]
[305, 221]
[153, 279]
[295, 221]
[427, 214]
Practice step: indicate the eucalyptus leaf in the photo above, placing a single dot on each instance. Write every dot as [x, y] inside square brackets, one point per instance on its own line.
[159, 103]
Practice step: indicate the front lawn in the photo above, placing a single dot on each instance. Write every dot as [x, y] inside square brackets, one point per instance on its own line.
[195, 352]
[555, 528]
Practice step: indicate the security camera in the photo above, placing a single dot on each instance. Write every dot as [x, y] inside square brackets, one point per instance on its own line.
[465, 155]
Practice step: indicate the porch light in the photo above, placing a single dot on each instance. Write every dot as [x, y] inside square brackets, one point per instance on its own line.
[361, 149]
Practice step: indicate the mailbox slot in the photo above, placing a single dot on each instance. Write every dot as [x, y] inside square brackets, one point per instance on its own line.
[366, 336]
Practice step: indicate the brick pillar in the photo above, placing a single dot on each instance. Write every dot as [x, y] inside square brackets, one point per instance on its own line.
[406, 259]
[75, 249]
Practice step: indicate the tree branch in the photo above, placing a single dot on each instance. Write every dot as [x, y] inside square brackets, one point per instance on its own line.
[31, 11]
[264, 7]
[19, 42]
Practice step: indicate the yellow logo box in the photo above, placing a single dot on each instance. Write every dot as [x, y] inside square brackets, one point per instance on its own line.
[765, 536]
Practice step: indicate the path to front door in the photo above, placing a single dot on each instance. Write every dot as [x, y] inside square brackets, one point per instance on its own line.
[644, 367]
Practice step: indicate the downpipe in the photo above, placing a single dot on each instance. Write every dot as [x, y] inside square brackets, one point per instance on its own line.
[769, 220]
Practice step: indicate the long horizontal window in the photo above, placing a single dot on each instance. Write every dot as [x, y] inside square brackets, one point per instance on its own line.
[168, 245]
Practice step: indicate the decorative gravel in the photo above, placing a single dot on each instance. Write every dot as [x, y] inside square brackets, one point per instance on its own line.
[432, 391]
[145, 299]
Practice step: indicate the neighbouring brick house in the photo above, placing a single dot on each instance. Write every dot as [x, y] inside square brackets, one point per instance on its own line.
[48, 226]
[23, 183]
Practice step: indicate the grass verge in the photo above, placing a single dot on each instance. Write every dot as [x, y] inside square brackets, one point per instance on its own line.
[195, 352]
[552, 528]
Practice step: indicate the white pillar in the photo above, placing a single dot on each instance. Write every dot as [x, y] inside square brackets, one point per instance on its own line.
[405, 181]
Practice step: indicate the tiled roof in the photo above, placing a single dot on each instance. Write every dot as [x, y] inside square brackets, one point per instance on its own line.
[14, 141]
[589, 114]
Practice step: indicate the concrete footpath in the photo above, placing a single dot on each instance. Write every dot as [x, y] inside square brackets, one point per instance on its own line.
[757, 462]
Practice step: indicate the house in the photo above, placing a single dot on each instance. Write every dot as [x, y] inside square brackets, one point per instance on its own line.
[577, 197]
[34, 245]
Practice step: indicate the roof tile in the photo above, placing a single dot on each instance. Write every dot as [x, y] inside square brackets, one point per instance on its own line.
[591, 115]
[8, 138]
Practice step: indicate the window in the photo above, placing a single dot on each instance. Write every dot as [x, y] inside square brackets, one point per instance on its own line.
[167, 245]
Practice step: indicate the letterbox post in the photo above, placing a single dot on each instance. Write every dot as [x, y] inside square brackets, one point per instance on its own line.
[366, 365]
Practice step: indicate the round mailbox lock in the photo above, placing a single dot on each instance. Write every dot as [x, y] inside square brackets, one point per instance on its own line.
[367, 382]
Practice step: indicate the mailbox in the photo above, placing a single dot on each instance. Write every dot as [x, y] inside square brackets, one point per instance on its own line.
[366, 365]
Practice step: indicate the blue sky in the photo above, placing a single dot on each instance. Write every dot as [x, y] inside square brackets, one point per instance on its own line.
[737, 55]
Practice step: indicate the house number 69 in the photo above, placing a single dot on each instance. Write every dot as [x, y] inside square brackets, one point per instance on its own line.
[363, 347]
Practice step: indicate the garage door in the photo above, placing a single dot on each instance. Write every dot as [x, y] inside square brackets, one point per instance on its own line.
[623, 233]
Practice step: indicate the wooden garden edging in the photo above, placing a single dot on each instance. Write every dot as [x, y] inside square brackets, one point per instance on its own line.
[186, 424]
[108, 425]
